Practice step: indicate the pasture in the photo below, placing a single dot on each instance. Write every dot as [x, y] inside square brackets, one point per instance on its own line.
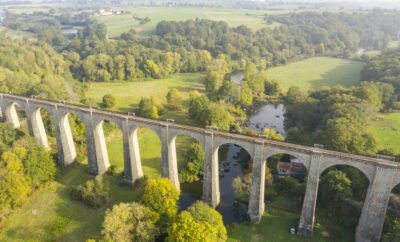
[317, 72]
[386, 129]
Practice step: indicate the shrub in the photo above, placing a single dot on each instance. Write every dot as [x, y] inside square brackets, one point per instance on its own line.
[112, 170]
[93, 193]
[109, 101]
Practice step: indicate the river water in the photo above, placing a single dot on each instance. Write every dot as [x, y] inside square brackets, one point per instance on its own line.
[233, 160]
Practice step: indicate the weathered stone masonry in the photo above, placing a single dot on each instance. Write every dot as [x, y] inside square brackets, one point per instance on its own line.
[383, 175]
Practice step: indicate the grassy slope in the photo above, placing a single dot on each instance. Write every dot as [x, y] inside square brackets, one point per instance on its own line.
[317, 72]
[119, 24]
[54, 202]
[386, 129]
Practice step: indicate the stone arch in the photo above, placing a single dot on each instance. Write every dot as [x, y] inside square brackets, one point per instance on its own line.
[98, 119]
[173, 133]
[367, 169]
[219, 141]
[11, 112]
[304, 157]
[133, 125]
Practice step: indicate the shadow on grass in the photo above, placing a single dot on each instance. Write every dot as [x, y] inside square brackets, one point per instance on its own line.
[345, 75]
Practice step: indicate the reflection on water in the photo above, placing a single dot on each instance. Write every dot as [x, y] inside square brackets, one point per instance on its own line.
[233, 161]
[269, 116]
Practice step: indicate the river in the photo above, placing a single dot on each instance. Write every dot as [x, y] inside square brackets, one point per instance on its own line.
[232, 162]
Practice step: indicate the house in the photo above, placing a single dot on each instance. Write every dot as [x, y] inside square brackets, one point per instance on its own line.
[283, 169]
[293, 168]
[297, 168]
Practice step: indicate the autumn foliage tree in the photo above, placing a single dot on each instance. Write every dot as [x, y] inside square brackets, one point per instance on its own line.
[130, 222]
[162, 197]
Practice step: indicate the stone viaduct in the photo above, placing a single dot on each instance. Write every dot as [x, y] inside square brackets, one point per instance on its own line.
[383, 175]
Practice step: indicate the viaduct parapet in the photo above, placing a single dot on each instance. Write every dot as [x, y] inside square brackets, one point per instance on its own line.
[383, 175]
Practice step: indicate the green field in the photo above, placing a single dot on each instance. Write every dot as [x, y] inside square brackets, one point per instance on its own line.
[128, 94]
[317, 72]
[275, 226]
[118, 24]
[16, 34]
[386, 129]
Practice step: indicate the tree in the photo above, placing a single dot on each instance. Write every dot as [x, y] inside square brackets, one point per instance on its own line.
[130, 222]
[109, 101]
[271, 134]
[199, 223]
[216, 115]
[39, 166]
[186, 228]
[241, 187]
[194, 165]
[161, 196]
[197, 106]
[174, 99]
[14, 187]
[150, 68]
[246, 95]
[147, 109]
[295, 95]
[335, 186]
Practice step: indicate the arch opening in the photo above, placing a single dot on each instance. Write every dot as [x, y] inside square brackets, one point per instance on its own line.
[44, 128]
[150, 152]
[190, 159]
[391, 226]
[285, 183]
[233, 169]
[342, 190]
[16, 115]
[114, 144]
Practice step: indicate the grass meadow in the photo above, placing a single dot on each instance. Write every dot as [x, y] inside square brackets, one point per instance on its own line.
[317, 72]
[275, 226]
[386, 129]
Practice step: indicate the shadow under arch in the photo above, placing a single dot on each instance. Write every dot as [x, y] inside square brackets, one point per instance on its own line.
[233, 162]
[342, 189]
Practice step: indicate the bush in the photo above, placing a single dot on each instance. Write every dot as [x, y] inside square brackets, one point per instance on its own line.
[194, 164]
[112, 170]
[109, 101]
[93, 193]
